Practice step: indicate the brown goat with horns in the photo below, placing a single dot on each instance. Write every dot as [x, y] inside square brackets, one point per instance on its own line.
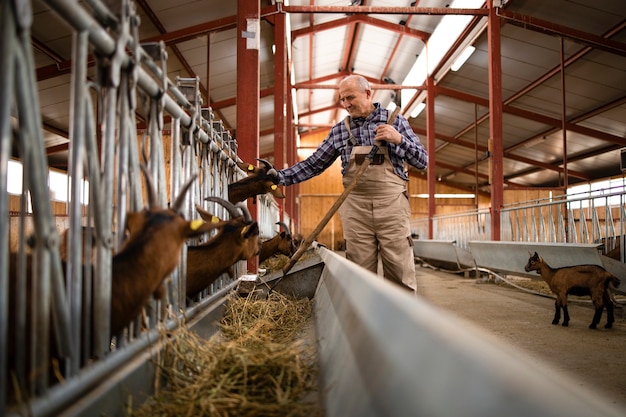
[282, 243]
[260, 180]
[155, 237]
[237, 239]
[579, 280]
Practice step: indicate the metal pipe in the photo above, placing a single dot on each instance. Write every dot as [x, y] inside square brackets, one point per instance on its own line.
[7, 74]
[105, 44]
[61, 396]
[74, 268]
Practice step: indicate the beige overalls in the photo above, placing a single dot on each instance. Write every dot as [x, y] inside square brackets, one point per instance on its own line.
[375, 218]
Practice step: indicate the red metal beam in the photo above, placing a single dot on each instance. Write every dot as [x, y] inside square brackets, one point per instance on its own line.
[430, 146]
[540, 118]
[495, 121]
[544, 26]
[383, 10]
[248, 87]
[394, 27]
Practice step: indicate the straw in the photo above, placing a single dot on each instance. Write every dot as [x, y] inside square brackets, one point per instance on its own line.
[259, 364]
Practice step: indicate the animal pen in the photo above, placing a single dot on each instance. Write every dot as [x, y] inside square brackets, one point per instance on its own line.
[361, 372]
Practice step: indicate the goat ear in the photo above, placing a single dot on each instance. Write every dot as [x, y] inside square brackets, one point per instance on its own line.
[205, 214]
[248, 168]
[276, 191]
[199, 227]
[251, 230]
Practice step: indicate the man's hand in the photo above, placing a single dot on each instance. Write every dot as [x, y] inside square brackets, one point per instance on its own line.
[388, 133]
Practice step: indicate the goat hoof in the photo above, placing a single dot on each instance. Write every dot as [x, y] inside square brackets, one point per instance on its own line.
[565, 324]
[592, 326]
[555, 322]
[608, 326]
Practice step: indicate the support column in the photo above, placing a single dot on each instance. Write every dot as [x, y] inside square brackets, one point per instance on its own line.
[430, 145]
[280, 98]
[248, 87]
[496, 148]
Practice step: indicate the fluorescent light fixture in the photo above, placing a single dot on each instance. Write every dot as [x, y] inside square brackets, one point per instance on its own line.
[467, 52]
[418, 109]
[443, 37]
[448, 196]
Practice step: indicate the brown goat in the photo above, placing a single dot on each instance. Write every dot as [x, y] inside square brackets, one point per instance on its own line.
[579, 280]
[238, 239]
[281, 243]
[155, 237]
[260, 180]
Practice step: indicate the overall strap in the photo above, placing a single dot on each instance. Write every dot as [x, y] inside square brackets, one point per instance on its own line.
[351, 139]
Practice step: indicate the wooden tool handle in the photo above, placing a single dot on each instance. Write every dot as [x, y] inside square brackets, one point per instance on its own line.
[318, 229]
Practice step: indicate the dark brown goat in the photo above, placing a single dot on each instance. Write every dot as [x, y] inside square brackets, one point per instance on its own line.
[155, 237]
[281, 243]
[237, 240]
[579, 280]
[260, 180]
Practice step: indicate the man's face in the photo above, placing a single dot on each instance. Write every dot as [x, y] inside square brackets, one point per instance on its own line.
[356, 101]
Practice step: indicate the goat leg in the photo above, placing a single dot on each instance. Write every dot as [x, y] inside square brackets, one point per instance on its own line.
[610, 317]
[557, 312]
[596, 317]
[565, 315]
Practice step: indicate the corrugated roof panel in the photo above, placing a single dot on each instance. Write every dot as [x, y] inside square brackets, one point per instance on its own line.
[329, 49]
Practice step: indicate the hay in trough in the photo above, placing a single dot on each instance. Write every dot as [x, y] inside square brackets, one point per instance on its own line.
[279, 261]
[259, 364]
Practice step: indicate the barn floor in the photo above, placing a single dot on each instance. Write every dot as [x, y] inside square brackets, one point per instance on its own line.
[595, 358]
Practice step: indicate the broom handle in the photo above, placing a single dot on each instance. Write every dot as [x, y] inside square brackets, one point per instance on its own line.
[318, 229]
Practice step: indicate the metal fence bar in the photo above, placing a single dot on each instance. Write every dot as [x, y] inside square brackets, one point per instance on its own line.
[113, 180]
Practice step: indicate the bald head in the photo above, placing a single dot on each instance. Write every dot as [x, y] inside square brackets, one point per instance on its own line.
[355, 95]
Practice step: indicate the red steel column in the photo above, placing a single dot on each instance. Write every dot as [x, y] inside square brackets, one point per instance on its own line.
[248, 87]
[293, 192]
[430, 145]
[496, 147]
[280, 97]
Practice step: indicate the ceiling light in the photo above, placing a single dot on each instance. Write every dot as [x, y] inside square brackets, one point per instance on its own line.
[467, 52]
[441, 40]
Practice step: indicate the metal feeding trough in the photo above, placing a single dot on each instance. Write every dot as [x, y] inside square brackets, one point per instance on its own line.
[300, 281]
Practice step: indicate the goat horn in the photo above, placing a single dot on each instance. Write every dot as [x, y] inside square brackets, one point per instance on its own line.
[152, 196]
[178, 203]
[266, 163]
[284, 227]
[247, 218]
[230, 207]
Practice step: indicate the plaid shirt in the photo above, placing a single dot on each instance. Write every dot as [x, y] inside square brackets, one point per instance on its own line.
[336, 144]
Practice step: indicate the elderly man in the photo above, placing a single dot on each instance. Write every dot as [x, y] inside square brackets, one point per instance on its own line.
[376, 214]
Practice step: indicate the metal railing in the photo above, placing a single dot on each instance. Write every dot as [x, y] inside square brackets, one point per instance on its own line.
[593, 217]
[104, 151]
[460, 227]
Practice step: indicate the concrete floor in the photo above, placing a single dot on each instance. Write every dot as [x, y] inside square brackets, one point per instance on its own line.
[595, 358]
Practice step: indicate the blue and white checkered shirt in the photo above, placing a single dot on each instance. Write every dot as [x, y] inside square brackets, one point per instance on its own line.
[336, 144]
